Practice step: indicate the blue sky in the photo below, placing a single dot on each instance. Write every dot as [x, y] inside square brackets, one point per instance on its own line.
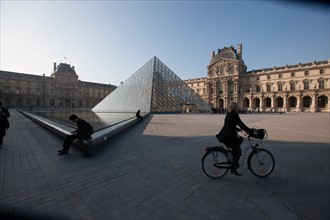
[107, 41]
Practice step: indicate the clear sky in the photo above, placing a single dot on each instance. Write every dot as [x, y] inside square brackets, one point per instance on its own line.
[107, 41]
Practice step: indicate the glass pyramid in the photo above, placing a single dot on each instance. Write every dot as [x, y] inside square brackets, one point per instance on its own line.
[154, 88]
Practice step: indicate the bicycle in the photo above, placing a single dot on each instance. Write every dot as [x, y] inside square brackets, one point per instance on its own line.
[218, 159]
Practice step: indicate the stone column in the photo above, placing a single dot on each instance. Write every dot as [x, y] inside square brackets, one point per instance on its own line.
[273, 101]
[250, 100]
[285, 102]
[262, 109]
[299, 102]
[235, 87]
[314, 101]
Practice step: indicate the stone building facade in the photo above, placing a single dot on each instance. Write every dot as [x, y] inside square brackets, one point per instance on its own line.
[290, 88]
[62, 89]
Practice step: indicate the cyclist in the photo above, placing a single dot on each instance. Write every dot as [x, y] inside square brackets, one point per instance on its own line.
[228, 135]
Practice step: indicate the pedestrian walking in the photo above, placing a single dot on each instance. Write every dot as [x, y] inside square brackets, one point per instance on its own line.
[4, 123]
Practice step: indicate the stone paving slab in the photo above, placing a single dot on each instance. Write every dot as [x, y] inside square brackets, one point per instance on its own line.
[153, 171]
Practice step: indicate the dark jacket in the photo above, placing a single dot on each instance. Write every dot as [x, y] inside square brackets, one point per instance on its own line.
[229, 130]
[4, 115]
[82, 131]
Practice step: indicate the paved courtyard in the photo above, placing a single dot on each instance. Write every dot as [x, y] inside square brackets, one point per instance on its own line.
[153, 171]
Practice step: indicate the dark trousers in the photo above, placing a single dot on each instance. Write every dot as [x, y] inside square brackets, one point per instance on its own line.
[2, 133]
[68, 140]
[234, 144]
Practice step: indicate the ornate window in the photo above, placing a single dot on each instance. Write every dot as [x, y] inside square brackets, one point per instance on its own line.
[321, 84]
[306, 73]
[321, 71]
[257, 88]
[280, 75]
[268, 87]
[221, 71]
[220, 89]
[230, 69]
[306, 85]
[280, 87]
[292, 74]
[292, 86]
[268, 76]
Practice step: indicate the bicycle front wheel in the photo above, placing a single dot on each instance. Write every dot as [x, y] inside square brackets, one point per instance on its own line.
[215, 164]
[261, 162]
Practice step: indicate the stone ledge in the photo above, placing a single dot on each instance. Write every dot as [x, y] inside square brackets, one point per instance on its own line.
[87, 146]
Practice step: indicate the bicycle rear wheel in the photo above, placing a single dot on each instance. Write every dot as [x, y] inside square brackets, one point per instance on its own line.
[215, 164]
[261, 162]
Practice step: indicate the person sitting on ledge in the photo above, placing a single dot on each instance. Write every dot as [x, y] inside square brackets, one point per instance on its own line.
[138, 116]
[82, 133]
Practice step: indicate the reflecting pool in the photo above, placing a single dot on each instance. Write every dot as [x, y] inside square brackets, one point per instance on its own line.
[99, 120]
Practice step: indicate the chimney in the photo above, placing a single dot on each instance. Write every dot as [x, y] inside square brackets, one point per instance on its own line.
[212, 54]
[54, 67]
[239, 51]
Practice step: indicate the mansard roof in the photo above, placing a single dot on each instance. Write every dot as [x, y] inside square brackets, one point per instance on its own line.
[225, 54]
[63, 67]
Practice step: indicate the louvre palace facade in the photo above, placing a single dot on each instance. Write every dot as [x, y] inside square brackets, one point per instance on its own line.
[62, 89]
[303, 87]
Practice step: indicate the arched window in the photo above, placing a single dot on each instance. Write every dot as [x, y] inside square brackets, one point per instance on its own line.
[268, 102]
[307, 101]
[279, 102]
[246, 103]
[257, 102]
[322, 101]
[292, 102]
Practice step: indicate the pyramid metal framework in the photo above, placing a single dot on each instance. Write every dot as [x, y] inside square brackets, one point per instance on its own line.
[154, 88]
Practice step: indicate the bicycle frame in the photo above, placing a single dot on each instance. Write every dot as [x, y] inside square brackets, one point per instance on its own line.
[229, 155]
[245, 149]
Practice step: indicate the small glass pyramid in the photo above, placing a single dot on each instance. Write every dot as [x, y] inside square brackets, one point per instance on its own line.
[154, 88]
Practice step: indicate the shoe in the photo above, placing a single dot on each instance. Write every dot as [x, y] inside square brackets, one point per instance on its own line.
[235, 172]
[62, 153]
